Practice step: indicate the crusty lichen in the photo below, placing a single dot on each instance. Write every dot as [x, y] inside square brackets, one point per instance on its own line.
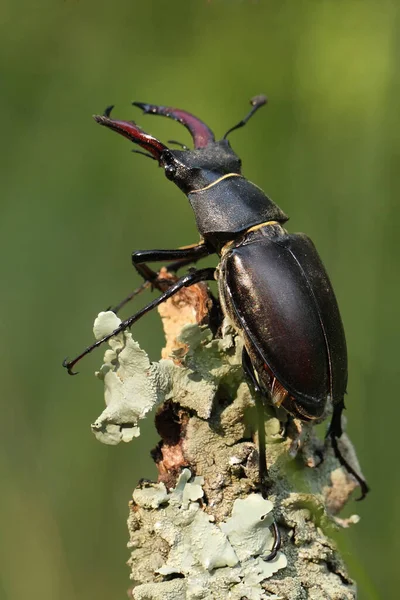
[214, 559]
[203, 537]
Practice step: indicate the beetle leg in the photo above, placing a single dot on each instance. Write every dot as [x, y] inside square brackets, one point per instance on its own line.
[145, 285]
[249, 371]
[335, 432]
[277, 544]
[152, 278]
[185, 281]
[185, 256]
[262, 458]
[182, 256]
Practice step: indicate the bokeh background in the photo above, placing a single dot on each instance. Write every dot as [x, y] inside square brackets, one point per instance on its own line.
[75, 203]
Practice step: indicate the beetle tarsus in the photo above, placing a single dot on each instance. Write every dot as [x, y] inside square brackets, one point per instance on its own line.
[68, 365]
[276, 546]
[361, 482]
[335, 432]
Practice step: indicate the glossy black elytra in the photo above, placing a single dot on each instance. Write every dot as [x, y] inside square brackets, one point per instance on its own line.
[272, 284]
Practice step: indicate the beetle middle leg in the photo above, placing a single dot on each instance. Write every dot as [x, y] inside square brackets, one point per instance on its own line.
[262, 457]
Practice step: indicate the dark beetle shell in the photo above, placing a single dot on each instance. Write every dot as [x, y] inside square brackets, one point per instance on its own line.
[288, 314]
[230, 207]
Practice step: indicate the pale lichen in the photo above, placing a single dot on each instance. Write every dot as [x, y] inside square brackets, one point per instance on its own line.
[203, 537]
[211, 558]
[132, 385]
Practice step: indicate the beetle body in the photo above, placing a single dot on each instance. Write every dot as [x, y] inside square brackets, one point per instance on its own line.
[272, 284]
[288, 316]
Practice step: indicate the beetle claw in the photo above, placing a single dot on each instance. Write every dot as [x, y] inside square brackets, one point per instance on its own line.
[67, 365]
[361, 482]
[276, 546]
[364, 489]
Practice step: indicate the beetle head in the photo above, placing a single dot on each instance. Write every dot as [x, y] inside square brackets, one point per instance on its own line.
[191, 170]
[194, 169]
[188, 169]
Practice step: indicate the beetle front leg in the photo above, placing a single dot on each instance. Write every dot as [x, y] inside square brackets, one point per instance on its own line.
[185, 281]
[181, 256]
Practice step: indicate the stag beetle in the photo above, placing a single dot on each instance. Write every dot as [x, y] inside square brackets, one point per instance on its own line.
[272, 284]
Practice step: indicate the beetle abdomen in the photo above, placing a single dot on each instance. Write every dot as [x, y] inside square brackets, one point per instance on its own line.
[289, 317]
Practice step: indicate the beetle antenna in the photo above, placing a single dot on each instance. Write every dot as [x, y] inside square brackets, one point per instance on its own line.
[144, 154]
[256, 103]
[183, 146]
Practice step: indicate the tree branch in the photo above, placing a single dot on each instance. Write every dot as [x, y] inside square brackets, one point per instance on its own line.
[200, 531]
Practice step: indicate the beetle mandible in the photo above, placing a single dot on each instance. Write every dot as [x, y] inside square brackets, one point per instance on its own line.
[272, 284]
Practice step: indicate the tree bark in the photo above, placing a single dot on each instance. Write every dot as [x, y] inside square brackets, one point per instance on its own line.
[201, 530]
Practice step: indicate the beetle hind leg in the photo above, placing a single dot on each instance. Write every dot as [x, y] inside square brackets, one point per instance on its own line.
[335, 432]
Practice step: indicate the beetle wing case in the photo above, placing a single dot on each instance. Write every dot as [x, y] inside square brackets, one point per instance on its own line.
[276, 290]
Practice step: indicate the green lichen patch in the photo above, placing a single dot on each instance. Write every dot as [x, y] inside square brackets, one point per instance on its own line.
[211, 560]
[203, 537]
[132, 385]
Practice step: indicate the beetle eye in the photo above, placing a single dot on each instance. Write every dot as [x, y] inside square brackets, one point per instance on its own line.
[170, 171]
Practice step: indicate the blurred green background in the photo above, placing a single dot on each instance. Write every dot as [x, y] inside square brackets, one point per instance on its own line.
[75, 203]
